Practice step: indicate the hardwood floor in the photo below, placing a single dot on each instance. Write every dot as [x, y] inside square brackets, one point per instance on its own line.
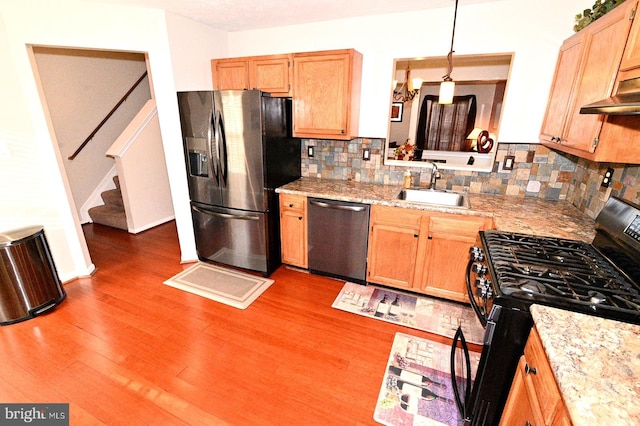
[125, 349]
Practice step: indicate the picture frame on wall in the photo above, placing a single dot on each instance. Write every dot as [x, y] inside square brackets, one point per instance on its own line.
[396, 111]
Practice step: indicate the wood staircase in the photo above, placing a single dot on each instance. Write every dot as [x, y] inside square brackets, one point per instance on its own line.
[112, 212]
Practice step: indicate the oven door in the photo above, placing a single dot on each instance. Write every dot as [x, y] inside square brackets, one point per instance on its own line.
[479, 288]
[504, 340]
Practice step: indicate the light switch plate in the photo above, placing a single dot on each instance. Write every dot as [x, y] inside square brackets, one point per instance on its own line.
[608, 175]
[366, 154]
[310, 150]
[509, 160]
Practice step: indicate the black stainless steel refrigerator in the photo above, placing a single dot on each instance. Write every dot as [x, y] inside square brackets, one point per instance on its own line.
[238, 149]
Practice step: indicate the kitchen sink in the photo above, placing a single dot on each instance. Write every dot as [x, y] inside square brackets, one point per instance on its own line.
[436, 197]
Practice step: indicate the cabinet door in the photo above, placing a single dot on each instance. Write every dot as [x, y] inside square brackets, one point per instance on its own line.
[326, 94]
[631, 57]
[393, 246]
[230, 74]
[563, 83]
[522, 407]
[448, 242]
[271, 74]
[605, 41]
[293, 230]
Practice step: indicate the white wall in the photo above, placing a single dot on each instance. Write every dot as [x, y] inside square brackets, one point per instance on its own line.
[533, 30]
[31, 182]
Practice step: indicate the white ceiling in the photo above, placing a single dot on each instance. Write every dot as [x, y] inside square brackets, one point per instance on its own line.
[240, 15]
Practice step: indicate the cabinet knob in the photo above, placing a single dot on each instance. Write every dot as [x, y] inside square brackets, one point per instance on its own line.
[291, 205]
[527, 423]
[430, 237]
[299, 217]
[416, 235]
[530, 370]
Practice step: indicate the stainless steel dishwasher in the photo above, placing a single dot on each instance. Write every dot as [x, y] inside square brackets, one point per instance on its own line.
[338, 233]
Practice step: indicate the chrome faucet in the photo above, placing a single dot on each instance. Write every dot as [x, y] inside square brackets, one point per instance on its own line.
[434, 175]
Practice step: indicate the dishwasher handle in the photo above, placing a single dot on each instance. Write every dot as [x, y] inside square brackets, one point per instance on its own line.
[338, 206]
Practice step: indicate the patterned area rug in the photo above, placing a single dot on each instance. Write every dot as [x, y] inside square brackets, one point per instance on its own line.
[417, 388]
[223, 285]
[422, 313]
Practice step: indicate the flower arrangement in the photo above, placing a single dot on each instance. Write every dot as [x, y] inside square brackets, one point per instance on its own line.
[404, 151]
[599, 9]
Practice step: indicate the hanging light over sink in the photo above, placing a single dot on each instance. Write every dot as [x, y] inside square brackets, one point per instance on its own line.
[447, 87]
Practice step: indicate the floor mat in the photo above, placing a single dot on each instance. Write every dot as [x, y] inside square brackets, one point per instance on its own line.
[419, 312]
[416, 388]
[223, 285]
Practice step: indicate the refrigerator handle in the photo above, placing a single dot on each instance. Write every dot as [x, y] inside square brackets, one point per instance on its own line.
[222, 149]
[212, 159]
[225, 215]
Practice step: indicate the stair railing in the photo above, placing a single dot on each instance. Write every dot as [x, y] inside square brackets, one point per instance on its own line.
[108, 116]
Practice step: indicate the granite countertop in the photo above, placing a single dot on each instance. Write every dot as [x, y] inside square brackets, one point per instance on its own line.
[512, 214]
[596, 363]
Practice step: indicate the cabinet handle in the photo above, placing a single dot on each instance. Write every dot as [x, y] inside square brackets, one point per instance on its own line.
[530, 370]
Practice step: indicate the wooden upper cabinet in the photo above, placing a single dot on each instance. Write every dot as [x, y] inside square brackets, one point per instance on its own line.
[230, 74]
[271, 74]
[561, 89]
[326, 94]
[600, 62]
[631, 57]
[598, 51]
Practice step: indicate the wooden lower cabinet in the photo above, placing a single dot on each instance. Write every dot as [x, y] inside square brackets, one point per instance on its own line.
[293, 230]
[393, 246]
[534, 398]
[422, 251]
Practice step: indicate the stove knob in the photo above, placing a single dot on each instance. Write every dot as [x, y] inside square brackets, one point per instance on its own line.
[476, 254]
[482, 282]
[487, 292]
[479, 269]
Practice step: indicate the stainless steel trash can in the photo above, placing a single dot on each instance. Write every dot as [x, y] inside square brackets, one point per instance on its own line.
[29, 283]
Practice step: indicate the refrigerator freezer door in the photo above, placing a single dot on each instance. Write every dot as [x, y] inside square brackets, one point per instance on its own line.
[233, 237]
[201, 150]
[239, 127]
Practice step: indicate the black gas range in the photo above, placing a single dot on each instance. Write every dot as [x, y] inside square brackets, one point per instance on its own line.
[508, 272]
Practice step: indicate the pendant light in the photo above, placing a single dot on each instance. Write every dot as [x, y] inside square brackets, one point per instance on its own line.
[447, 86]
[409, 88]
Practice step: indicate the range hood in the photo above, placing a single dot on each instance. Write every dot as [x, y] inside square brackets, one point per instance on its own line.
[625, 102]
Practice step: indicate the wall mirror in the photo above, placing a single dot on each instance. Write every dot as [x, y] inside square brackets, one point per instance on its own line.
[462, 135]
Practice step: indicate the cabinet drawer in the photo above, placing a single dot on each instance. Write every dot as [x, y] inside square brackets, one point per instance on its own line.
[292, 202]
[397, 217]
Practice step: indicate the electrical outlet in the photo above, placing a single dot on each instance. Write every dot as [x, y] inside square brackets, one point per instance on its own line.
[310, 151]
[366, 154]
[608, 175]
[509, 160]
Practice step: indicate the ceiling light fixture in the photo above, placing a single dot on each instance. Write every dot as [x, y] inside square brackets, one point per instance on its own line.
[447, 86]
[409, 88]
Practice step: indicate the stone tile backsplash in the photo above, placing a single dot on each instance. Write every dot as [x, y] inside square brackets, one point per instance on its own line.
[537, 172]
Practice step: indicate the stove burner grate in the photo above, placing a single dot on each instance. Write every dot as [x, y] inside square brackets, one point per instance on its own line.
[563, 271]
